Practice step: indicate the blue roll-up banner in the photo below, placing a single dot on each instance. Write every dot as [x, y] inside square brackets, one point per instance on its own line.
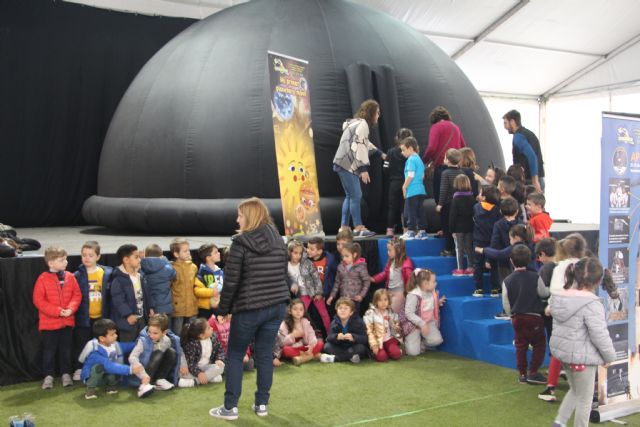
[619, 383]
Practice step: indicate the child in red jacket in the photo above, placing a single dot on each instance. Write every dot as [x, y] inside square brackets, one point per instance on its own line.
[538, 218]
[57, 297]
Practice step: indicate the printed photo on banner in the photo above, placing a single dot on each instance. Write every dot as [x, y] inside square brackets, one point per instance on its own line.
[619, 197]
[618, 230]
[618, 380]
[623, 135]
[620, 161]
[619, 265]
[619, 334]
[618, 308]
[293, 135]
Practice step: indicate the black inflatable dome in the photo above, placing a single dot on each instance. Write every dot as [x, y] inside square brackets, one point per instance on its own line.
[193, 133]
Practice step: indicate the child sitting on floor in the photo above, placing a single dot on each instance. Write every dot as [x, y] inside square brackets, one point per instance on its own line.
[383, 328]
[203, 360]
[297, 337]
[103, 359]
[348, 338]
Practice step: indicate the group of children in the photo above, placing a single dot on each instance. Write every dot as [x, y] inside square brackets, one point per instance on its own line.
[139, 303]
[159, 316]
[391, 320]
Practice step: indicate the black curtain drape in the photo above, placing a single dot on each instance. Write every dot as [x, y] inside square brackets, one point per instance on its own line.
[63, 70]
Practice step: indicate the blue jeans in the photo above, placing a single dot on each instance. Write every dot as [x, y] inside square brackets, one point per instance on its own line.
[413, 209]
[353, 195]
[261, 327]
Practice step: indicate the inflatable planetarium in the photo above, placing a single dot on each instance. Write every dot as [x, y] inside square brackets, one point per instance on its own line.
[193, 134]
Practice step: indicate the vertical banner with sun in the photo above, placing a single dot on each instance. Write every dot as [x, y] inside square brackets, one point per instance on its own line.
[291, 113]
[619, 382]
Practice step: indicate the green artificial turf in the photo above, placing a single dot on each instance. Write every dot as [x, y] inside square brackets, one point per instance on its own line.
[436, 389]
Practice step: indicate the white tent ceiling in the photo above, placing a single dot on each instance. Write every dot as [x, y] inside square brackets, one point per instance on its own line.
[527, 48]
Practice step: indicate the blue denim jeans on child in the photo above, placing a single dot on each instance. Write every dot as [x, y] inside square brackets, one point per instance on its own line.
[353, 195]
[413, 209]
[261, 326]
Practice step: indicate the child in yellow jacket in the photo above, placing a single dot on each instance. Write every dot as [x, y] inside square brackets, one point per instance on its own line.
[185, 302]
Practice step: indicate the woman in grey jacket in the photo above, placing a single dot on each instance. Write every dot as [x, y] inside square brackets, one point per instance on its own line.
[580, 337]
[351, 163]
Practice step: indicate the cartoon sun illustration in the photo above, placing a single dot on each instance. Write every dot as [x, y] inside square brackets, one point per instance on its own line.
[298, 182]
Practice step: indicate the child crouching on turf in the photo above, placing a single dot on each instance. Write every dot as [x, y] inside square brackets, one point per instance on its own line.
[297, 337]
[347, 339]
[421, 319]
[203, 360]
[103, 359]
[383, 328]
[158, 351]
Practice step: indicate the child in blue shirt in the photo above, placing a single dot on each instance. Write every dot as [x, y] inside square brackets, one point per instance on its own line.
[413, 189]
[103, 359]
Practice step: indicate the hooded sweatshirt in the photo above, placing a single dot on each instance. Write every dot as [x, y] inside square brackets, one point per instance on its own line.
[580, 335]
[255, 274]
[159, 273]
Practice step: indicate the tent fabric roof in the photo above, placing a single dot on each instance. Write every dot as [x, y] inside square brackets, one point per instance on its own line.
[528, 48]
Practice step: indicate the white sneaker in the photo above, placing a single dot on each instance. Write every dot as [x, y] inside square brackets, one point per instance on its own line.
[47, 383]
[186, 382]
[217, 379]
[145, 390]
[77, 375]
[163, 385]
[355, 358]
[409, 235]
[327, 358]
[422, 235]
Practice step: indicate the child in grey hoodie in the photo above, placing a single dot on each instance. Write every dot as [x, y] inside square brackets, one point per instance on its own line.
[580, 337]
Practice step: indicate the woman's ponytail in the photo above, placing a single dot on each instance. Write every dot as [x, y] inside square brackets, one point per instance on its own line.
[569, 276]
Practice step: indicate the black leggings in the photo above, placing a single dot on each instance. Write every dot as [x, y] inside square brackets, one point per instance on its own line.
[161, 365]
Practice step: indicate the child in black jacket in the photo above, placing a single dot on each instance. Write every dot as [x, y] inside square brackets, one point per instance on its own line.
[461, 224]
[347, 339]
[485, 215]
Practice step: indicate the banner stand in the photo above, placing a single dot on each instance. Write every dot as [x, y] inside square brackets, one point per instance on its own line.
[619, 382]
[295, 155]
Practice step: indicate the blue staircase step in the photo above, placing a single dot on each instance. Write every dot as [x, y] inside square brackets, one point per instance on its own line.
[430, 247]
[472, 308]
[497, 331]
[437, 264]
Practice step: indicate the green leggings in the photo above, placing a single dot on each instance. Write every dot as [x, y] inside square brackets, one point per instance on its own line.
[99, 378]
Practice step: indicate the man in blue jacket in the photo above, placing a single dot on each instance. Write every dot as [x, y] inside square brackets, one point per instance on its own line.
[525, 150]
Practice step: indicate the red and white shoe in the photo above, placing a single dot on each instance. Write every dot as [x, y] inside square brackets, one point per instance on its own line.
[468, 272]
[458, 272]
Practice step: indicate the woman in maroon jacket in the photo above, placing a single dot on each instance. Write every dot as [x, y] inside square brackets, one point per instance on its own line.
[444, 134]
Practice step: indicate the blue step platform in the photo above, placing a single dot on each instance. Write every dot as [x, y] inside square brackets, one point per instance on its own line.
[467, 323]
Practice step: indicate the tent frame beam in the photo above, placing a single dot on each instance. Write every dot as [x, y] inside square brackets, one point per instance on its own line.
[586, 70]
[495, 24]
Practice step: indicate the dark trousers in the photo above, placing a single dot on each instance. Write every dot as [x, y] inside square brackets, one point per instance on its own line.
[479, 269]
[98, 377]
[131, 335]
[413, 210]
[56, 343]
[437, 174]
[345, 353]
[396, 203]
[161, 365]
[81, 336]
[446, 229]
[529, 330]
[206, 313]
[261, 326]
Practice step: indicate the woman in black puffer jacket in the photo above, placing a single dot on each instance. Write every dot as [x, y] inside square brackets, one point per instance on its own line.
[256, 293]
